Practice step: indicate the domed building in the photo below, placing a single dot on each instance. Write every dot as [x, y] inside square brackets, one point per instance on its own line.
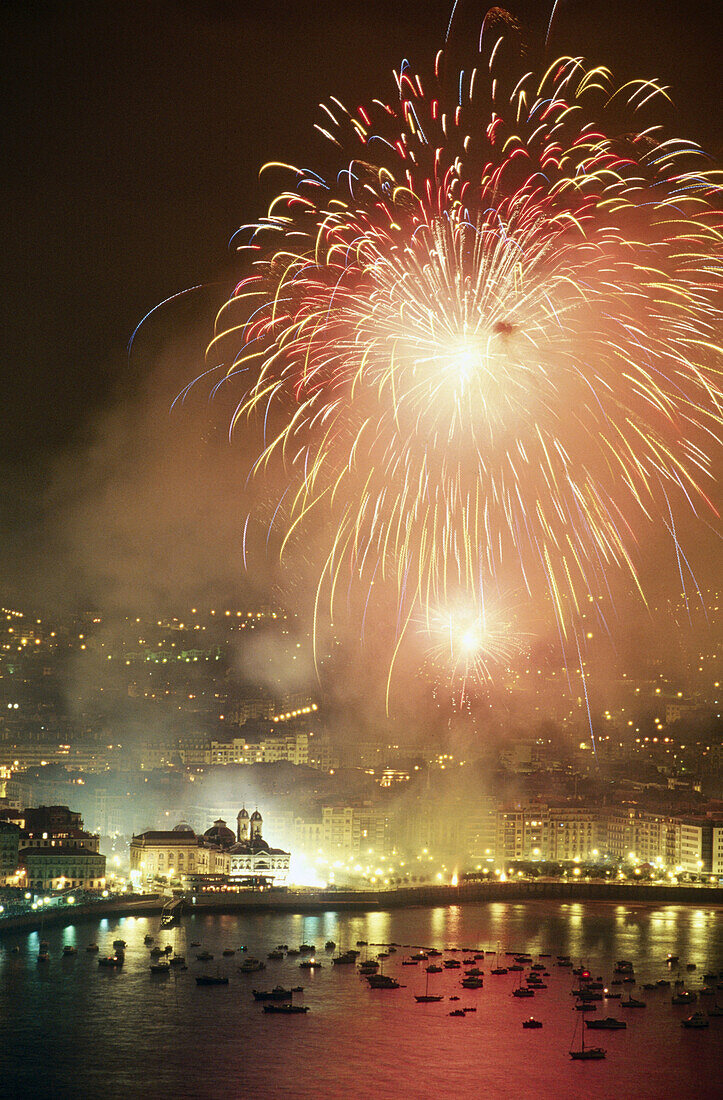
[252, 859]
[219, 834]
[218, 857]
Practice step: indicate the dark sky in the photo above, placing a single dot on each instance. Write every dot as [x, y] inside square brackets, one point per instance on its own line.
[132, 137]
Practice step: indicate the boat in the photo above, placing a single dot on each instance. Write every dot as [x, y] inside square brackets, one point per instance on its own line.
[472, 983]
[585, 1006]
[427, 997]
[663, 983]
[382, 981]
[116, 960]
[204, 956]
[119, 944]
[178, 960]
[148, 939]
[307, 948]
[523, 991]
[275, 955]
[309, 964]
[251, 966]
[362, 943]
[160, 967]
[672, 959]
[531, 1022]
[691, 966]
[696, 1020]
[371, 966]
[452, 964]
[684, 997]
[608, 1024]
[278, 993]
[156, 952]
[347, 959]
[330, 945]
[422, 956]
[287, 1009]
[499, 970]
[195, 943]
[43, 956]
[586, 1054]
[632, 1002]
[433, 969]
[292, 951]
[70, 950]
[92, 947]
[228, 951]
[410, 962]
[457, 1012]
[211, 979]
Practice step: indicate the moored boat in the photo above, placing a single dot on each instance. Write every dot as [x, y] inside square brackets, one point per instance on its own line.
[278, 993]
[696, 1020]
[286, 1009]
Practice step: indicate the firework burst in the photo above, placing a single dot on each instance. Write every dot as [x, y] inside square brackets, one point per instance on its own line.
[487, 351]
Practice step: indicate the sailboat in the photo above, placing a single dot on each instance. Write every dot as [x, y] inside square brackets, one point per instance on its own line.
[428, 997]
[497, 969]
[586, 1054]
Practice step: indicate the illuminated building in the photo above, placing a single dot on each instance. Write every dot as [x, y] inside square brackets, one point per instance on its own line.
[54, 868]
[9, 845]
[217, 858]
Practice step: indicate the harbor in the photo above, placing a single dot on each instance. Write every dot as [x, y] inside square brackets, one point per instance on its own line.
[490, 994]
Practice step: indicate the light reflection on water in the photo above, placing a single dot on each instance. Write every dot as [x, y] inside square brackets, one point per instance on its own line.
[127, 1034]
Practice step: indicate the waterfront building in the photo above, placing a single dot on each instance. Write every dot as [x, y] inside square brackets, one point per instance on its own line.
[574, 834]
[55, 868]
[251, 857]
[717, 847]
[9, 847]
[167, 853]
[353, 829]
[219, 857]
[523, 833]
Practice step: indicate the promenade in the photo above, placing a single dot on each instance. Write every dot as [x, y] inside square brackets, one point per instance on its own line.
[310, 900]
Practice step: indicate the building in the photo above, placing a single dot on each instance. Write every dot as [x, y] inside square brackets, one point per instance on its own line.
[354, 829]
[216, 858]
[573, 834]
[251, 857]
[717, 848]
[167, 854]
[522, 833]
[9, 847]
[61, 867]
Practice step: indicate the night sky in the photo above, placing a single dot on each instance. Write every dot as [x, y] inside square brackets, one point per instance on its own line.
[133, 134]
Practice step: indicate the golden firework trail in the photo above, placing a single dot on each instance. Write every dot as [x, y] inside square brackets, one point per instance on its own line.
[488, 350]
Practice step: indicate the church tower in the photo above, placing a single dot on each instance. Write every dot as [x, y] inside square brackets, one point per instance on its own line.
[242, 824]
[256, 823]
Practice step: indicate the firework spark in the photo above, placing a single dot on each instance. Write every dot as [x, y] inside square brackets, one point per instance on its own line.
[487, 351]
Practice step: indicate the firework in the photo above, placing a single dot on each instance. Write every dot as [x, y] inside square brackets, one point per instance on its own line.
[486, 352]
[467, 645]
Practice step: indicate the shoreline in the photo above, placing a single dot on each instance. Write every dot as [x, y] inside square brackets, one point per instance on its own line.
[305, 901]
